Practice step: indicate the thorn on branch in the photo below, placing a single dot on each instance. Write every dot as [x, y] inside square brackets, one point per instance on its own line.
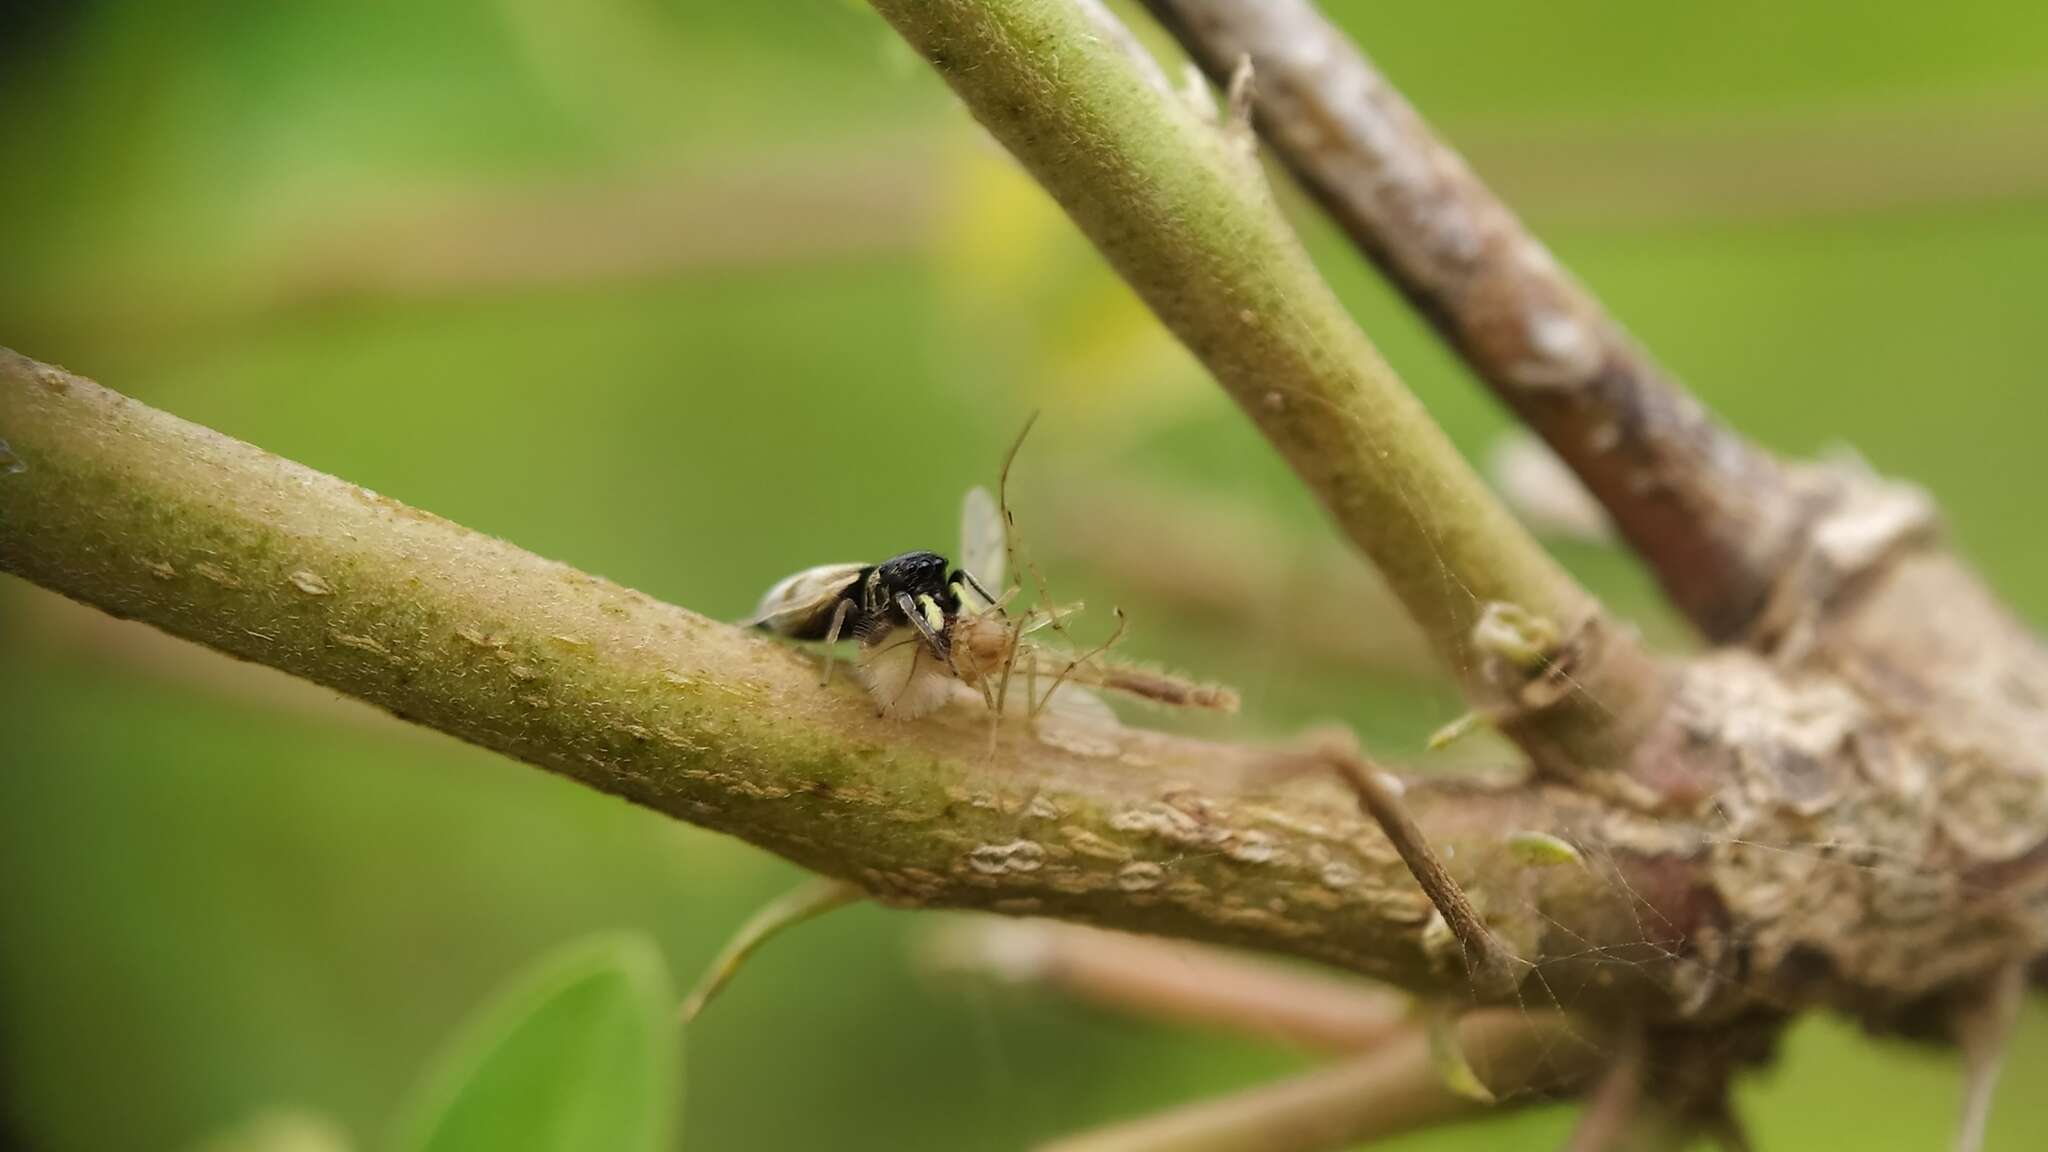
[1447, 1055]
[1491, 965]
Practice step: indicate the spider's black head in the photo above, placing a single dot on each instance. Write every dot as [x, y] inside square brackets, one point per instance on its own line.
[919, 574]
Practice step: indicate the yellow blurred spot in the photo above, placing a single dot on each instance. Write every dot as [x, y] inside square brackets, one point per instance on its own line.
[1042, 313]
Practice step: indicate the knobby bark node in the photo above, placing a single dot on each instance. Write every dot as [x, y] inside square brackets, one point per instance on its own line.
[1865, 809]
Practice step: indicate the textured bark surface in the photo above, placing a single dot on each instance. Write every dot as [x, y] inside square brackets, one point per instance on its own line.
[1865, 778]
[1858, 820]
[148, 517]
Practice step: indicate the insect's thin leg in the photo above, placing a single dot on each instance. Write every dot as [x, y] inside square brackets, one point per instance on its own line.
[1031, 695]
[981, 679]
[832, 639]
[1003, 494]
[1052, 618]
[916, 654]
[879, 648]
[1491, 964]
[995, 713]
[1009, 665]
[988, 695]
[1010, 563]
[910, 675]
[1099, 649]
[875, 687]
[975, 674]
[1052, 611]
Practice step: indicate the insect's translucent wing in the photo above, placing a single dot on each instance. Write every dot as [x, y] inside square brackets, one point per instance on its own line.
[982, 550]
[795, 620]
[1072, 704]
[800, 604]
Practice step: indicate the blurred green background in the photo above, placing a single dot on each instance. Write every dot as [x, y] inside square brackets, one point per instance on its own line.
[692, 294]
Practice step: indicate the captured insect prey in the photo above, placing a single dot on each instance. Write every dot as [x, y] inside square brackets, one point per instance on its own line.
[905, 605]
[930, 632]
[927, 633]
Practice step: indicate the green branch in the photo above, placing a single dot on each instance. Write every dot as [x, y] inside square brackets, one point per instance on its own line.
[1179, 205]
[145, 516]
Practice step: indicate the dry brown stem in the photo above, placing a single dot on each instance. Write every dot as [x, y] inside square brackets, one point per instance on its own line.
[1713, 516]
[1178, 981]
[1492, 966]
[1389, 1090]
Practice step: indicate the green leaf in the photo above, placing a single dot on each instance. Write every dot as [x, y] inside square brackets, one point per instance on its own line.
[1541, 849]
[1454, 731]
[580, 1051]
